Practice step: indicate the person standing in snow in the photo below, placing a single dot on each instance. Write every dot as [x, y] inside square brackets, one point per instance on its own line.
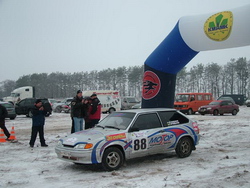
[3, 115]
[38, 121]
[95, 110]
[78, 111]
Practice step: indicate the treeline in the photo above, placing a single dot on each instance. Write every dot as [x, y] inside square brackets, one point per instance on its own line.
[61, 85]
[232, 78]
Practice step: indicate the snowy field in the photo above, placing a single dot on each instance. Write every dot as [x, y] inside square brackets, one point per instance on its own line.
[222, 159]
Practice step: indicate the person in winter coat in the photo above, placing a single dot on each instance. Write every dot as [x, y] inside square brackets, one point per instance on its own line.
[88, 124]
[78, 111]
[38, 121]
[3, 115]
[95, 110]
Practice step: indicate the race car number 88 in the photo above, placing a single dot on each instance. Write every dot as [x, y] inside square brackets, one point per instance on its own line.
[140, 144]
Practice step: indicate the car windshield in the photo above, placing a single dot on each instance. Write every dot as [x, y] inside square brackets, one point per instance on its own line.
[181, 98]
[214, 103]
[118, 120]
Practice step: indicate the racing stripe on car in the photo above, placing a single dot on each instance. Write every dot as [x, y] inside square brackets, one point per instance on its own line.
[93, 155]
[194, 134]
[176, 131]
[128, 145]
[107, 143]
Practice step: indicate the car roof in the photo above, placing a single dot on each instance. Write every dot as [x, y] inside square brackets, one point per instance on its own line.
[142, 110]
[221, 100]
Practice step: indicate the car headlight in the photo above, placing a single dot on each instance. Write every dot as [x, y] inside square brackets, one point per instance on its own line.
[84, 146]
[59, 143]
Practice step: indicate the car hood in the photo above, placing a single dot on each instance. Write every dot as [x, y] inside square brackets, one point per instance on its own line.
[208, 106]
[93, 135]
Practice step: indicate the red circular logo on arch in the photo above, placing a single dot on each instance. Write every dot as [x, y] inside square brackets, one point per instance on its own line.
[151, 85]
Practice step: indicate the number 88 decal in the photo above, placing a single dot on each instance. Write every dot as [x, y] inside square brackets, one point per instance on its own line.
[140, 144]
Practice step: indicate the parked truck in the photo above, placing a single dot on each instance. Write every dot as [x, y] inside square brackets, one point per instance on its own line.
[20, 93]
[238, 98]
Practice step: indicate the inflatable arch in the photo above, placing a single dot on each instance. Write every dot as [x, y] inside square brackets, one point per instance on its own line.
[192, 34]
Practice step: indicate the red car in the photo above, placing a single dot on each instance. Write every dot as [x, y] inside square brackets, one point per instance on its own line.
[219, 107]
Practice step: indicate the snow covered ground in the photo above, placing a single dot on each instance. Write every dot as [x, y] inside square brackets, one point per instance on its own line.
[222, 159]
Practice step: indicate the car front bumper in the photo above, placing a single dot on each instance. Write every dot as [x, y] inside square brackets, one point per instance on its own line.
[205, 111]
[74, 155]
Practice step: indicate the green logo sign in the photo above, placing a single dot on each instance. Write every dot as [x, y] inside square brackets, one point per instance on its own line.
[218, 27]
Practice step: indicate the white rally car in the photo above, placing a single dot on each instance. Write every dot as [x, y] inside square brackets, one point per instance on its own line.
[129, 134]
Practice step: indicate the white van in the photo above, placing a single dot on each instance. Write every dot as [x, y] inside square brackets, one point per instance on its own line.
[110, 99]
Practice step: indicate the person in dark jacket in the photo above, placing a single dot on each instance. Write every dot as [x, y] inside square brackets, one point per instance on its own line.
[3, 115]
[78, 111]
[88, 124]
[38, 121]
[95, 110]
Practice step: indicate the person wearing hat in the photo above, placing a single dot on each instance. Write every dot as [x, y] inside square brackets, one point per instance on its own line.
[78, 111]
[38, 121]
[95, 110]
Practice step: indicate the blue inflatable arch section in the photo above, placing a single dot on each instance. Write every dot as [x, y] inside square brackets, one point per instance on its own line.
[191, 34]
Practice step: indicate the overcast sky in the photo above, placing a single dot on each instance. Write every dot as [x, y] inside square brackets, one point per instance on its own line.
[44, 36]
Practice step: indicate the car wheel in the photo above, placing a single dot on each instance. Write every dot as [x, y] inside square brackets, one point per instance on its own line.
[112, 159]
[184, 147]
[58, 109]
[202, 114]
[234, 112]
[111, 110]
[215, 112]
[30, 113]
[190, 111]
[221, 114]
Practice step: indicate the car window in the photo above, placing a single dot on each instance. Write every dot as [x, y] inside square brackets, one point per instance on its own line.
[117, 119]
[22, 103]
[30, 102]
[147, 121]
[172, 118]
[199, 97]
[207, 97]
[223, 103]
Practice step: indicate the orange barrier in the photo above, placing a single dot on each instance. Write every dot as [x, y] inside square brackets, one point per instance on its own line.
[12, 134]
[2, 139]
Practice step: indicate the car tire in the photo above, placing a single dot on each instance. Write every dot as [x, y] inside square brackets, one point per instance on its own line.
[190, 111]
[202, 114]
[112, 159]
[111, 110]
[221, 114]
[215, 112]
[234, 112]
[58, 109]
[29, 113]
[184, 147]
